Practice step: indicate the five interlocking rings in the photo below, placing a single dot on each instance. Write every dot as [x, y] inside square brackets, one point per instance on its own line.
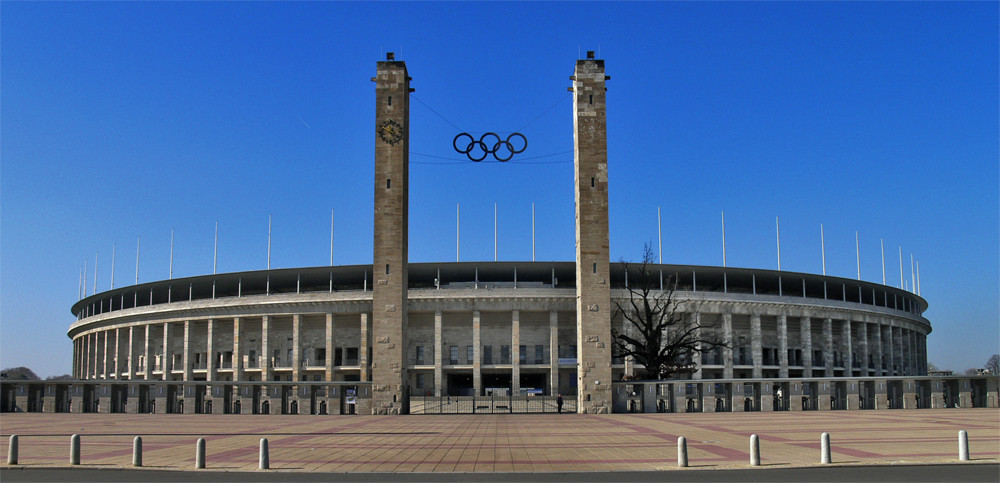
[489, 143]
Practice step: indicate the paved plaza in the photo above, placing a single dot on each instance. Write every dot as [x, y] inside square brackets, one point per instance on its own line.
[504, 443]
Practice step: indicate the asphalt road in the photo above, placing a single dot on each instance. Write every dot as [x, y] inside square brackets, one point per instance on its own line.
[867, 474]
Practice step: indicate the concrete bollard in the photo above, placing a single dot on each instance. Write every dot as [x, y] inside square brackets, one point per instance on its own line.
[12, 450]
[199, 454]
[682, 452]
[963, 445]
[265, 460]
[825, 449]
[754, 450]
[137, 451]
[74, 449]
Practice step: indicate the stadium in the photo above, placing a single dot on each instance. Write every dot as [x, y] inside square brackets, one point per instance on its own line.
[395, 338]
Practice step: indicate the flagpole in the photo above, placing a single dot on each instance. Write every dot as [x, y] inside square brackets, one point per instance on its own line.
[137, 240]
[171, 253]
[215, 255]
[458, 232]
[822, 244]
[96, 254]
[723, 239]
[777, 231]
[331, 237]
[857, 251]
[659, 233]
[268, 242]
[113, 247]
[532, 232]
[900, 266]
[881, 242]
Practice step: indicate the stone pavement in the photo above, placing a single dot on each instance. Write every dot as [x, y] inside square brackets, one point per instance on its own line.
[504, 443]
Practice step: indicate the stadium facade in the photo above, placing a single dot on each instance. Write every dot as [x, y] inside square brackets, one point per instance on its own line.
[395, 337]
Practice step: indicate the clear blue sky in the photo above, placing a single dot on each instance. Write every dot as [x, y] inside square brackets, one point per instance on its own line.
[122, 120]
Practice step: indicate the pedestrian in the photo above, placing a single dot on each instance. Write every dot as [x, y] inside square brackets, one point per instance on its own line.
[559, 403]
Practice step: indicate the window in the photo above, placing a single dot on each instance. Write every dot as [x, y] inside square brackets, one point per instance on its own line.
[572, 351]
[351, 356]
[420, 355]
[522, 355]
[421, 380]
[453, 359]
[388, 183]
[539, 354]
[320, 355]
[487, 354]
[338, 356]
[505, 354]
[470, 354]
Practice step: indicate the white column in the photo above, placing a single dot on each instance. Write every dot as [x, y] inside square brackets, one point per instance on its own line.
[328, 363]
[515, 341]
[828, 347]
[365, 356]
[878, 349]
[237, 353]
[756, 348]
[553, 353]
[131, 351]
[265, 348]
[438, 349]
[848, 348]
[187, 351]
[477, 376]
[210, 352]
[727, 353]
[147, 354]
[167, 355]
[805, 328]
[783, 346]
[296, 350]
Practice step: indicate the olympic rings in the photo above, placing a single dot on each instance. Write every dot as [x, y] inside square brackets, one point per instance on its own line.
[489, 143]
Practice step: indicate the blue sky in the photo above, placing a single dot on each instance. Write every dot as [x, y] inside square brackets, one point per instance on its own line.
[126, 120]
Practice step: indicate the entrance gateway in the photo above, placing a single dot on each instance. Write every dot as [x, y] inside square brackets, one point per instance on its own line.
[391, 393]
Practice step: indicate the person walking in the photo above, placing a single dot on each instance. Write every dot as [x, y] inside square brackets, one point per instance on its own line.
[559, 403]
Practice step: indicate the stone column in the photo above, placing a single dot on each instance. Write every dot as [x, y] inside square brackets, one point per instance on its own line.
[897, 350]
[477, 375]
[96, 350]
[593, 295]
[147, 356]
[364, 355]
[889, 356]
[168, 357]
[187, 351]
[296, 350]
[695, 319]
[515, 346]
[389, 294]
[438, 350]
[104, 356]
[877, 329]
[210, 352]
[86, 356]
[265, 348]
[756, 346]
[116, 366]
[131, 351]
[828, 347]
[328, 362]
[553, 353]
[237, 354]
[727, 352]
[805, 329]
[863, 343]
[845, 334]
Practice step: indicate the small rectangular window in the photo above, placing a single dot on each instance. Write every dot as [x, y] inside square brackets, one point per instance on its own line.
[522, 355]
[387, 269]
[593, 182]
[453, 353]
[390, 100]
[595, 268]
[469, 354]
[591, 98]
[388, 183]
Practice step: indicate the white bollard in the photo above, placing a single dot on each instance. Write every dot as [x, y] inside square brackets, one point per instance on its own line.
[265, 460]
[754, 450]
[825, 449]
[199, 454]
[137, 451]
[74, 449]
[12, 450]
[963, 445]
[682, 452]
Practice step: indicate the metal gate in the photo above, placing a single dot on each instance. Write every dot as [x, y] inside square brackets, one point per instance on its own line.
[498, 404]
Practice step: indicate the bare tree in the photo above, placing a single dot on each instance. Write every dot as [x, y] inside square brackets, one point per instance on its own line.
[993, 365]
[656, 334]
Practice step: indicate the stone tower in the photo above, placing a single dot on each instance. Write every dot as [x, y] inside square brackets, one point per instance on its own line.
[392, 135]
[593, 294]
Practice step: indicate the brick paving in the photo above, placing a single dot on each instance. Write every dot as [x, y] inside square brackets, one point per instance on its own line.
[504, 443]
